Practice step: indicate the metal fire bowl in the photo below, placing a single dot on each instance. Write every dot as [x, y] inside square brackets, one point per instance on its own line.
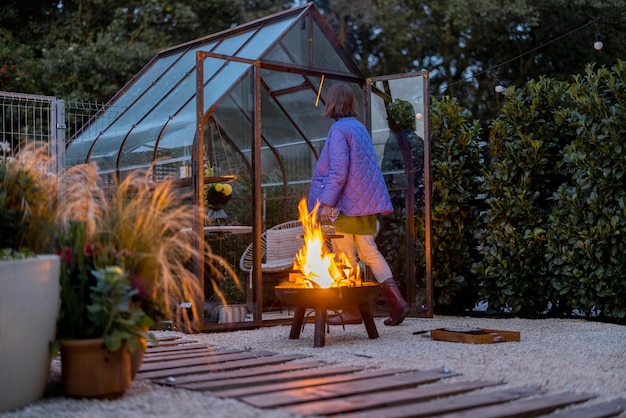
[331, 298]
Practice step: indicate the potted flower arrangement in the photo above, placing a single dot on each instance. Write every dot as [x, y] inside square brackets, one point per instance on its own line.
[120, 247]
[137, 225]
[29, 274]
[217, 194]
[101, 321]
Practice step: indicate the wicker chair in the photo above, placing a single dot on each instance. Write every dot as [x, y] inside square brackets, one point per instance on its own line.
[279, 246]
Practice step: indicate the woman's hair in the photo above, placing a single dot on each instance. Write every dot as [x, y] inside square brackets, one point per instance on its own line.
[340, 102]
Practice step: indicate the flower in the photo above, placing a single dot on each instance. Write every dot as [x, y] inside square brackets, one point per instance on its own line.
[218, 194]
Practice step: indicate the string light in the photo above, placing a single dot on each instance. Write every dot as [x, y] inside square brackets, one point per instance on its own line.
[598, 45]
[499, 88]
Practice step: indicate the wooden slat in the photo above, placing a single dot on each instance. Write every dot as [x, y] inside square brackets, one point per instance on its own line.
[334, 390]
[212, 368]
[532, 407]
[303, 383]
[164, 357]
[595, 410]
[163, 349]
[234, 374]
[206, 359]
[175, 342]
[384, 399]
[442, 406]
[269, 379]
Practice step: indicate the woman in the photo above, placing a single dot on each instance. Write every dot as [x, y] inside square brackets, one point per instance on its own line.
[348, 184]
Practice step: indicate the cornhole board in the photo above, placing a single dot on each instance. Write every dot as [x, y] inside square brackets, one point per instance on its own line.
[474, 335]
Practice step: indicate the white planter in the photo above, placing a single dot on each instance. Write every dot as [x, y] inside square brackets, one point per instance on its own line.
[29, 304]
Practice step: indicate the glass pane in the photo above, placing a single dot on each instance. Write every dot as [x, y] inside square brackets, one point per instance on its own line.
[125, 100]
[106, 149]
[325, 56]
[398, 131]
[293, 47]
[177, 139]
[76, 153]
[232, 43]
[230, 122]
[138, 148]
[263, 38]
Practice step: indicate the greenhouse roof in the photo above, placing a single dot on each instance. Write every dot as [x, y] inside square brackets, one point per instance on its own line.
[153, 119]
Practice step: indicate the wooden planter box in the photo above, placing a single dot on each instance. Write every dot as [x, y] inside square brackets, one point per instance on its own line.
[474, 335]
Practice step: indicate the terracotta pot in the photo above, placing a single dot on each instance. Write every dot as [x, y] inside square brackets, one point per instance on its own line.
[89, 370]
[29, 304]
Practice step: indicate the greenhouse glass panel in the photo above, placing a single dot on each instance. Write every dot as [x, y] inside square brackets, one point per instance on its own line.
[263, 38]
[124, 101]
[325, 55]
[305, 114]
[293, 48]
[230, 45]
[105, 151]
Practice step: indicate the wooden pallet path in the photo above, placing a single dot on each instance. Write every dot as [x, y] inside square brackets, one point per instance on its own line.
[269, 380]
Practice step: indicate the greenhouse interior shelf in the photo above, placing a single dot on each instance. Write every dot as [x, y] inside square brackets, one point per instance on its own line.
[186, 181]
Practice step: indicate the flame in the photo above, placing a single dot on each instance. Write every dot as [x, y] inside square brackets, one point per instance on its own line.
[319, 266]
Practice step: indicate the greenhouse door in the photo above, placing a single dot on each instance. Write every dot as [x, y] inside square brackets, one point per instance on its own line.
[397, 116]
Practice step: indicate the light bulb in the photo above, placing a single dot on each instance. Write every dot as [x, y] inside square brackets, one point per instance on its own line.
[498, 88]
[597, 45]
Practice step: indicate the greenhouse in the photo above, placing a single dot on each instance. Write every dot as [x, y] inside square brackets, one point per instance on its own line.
[235, 120]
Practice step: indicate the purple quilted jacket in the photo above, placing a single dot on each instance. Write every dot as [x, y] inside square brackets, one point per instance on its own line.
[347, 175]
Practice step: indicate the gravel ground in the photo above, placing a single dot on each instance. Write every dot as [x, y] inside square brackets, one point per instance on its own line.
[557, 355]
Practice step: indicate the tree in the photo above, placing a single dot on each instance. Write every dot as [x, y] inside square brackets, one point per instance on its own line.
[88, 49]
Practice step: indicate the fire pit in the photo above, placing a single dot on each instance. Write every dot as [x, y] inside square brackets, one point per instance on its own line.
[323, 299]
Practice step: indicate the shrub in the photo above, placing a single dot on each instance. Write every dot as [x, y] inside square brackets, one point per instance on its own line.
[525, 170]
[455, 171]
[586, 246]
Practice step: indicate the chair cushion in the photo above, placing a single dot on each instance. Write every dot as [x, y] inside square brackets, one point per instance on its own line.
[283, 243]
[277, 266]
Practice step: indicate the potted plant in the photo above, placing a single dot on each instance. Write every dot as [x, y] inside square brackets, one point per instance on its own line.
[100, 324]
[139, 225]
[29, 274]
[101, 321]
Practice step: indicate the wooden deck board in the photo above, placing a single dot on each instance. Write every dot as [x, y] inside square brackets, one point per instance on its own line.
[265, 390]
[420, 407]
[384, 399]
[365, 384]
[207, 358]
[595, 410]
[525, 408]
[186, 355]
[218, 367]
[266, 379]
[242, 373]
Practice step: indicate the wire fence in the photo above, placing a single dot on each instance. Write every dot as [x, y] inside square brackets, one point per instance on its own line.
[31, 120]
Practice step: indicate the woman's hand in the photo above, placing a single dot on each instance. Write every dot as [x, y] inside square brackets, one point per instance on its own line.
[328, 214]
